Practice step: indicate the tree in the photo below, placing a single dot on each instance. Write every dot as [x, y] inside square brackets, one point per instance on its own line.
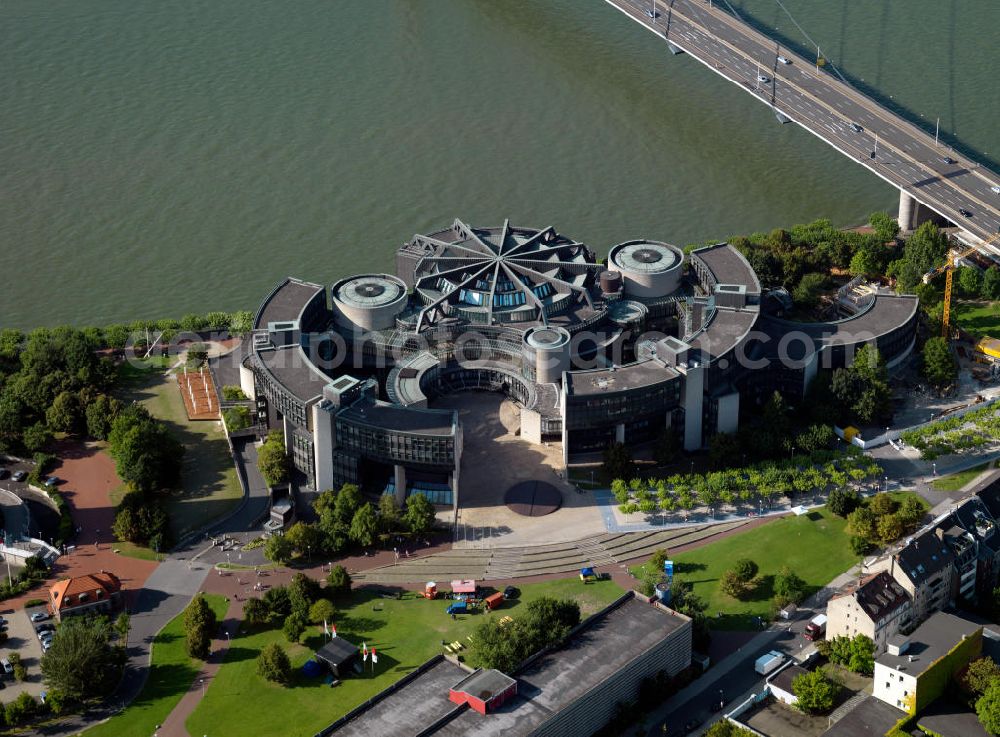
[307, 539]
[617, 462]
[885, 226]
[273, 664]
[279, 604]
[890, 528]
[659, 557]
[147, 456]
[865, 262]
[911, 511]
[789, 587]
[338, 583]
[80, 665]
[36, 437]
[979, 675]
[302, 592]
[815, 437]
[860, 545]
[864, 387]
[322, 610]
[969, 280]
[939, 364]
[199, 625]
[241, 322]
[862, 655]
[142, 520]
[272, 459]
[882, 504]
[862, 522]
[388, 513]
[726, 728]
[419, 515]
[65, 414]
[990, 288]
[988, 708]
[745, 569]
[809, 288]
[121, 626]
[278, 549]
[815, 691]
[100, 414]
[255, 612]
[843, 501]
[295, 625]
[20, 672]
[364, 525]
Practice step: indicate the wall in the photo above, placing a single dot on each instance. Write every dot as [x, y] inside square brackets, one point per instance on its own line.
[933, 681]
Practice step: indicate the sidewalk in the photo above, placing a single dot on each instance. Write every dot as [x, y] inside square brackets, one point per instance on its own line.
[173, 725]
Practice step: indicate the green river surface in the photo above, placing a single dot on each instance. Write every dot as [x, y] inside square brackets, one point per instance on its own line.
[159, 158]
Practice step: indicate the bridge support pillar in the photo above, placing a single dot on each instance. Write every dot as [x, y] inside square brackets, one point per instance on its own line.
[907, 209]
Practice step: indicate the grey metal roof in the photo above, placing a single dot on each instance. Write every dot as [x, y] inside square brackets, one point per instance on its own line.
[286, 301]
[928, 642]
[925, 556]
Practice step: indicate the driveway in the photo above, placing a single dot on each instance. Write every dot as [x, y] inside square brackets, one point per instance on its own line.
[21, 639]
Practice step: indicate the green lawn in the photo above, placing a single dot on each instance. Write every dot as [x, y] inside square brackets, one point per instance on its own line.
[210, 487]
[814, 545]
[405, 634]
[979, 318]
[170, 677]
[957, 480]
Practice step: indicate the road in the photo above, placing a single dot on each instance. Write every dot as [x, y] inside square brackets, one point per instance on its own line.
[903, 155]
[735, 676]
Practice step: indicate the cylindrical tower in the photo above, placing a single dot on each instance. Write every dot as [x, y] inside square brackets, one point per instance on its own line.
[650, 269]
[369, 301]
[547, 350]
[611, 282]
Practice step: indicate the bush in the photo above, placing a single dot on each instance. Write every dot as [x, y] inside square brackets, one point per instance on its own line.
[294, 626]
[745, 569]
[338, 582]
[273, 664]
[20, 673]
[816, 691]
[199, 626]
[237, 418]
[34, 602]
[272, 460]
[788, 587]
[20, 709]
[232, 393]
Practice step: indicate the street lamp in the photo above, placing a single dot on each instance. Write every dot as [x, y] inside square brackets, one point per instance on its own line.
[226, 633]
[934, 467]
[203, 688]
[887, 483]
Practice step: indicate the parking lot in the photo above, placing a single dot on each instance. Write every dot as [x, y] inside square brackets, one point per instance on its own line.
[22, 639]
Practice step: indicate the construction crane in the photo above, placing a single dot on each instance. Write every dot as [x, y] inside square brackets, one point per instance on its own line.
[949, 270]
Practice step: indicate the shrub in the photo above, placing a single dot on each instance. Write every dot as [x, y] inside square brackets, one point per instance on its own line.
[237, 418]
[273, 664]
[232, 393]
[338, 582]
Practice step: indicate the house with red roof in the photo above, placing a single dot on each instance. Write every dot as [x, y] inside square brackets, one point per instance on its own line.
[99, 593]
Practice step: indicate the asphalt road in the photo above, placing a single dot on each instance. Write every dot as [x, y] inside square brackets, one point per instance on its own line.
[906, 156]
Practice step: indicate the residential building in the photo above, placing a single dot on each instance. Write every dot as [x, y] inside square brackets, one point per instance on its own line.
[925, 568]
[91, 593]
[916, 668]
[876, 606]
[978, 516]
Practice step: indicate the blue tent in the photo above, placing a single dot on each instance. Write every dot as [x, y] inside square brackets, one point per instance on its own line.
[311, 669]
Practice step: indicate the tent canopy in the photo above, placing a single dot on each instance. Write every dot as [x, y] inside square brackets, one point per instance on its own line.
[467, 586]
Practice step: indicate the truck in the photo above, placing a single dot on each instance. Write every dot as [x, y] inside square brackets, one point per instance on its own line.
[769, 662]
[816, 627]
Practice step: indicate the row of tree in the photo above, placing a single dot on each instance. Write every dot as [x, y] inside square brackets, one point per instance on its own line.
[545, 622]
[345, 519]
[881, 520]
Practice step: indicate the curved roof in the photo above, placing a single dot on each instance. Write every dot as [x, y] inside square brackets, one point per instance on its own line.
[504, 274]
[286, 302]
[728, 266]
[645, 257]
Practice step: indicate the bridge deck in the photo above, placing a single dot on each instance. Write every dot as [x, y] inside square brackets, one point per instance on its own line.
[827, 107]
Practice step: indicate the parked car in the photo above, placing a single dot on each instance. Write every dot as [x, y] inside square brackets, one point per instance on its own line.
[949, 160]
[995, 189]
[20, 475]
[763, 78]
[965, 213]
[39, 616]
[46, 644]
[51, 481]
[783, 60]
[511, 592]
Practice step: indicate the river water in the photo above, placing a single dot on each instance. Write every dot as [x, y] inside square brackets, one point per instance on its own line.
[163, 158]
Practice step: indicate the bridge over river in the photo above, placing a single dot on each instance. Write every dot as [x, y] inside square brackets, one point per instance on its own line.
[800, 91]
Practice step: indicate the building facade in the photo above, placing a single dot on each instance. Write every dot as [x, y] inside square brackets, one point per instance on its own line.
[875, 606]
[592, 353]
[99, 593]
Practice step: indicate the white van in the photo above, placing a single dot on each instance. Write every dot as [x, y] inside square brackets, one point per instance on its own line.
[7, 667]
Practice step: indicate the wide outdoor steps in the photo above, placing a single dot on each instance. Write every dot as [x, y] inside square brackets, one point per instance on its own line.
[569, 557]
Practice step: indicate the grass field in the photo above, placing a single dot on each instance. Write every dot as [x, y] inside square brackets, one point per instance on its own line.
[957, 480]
[170, 677]
[979, 318]
[405, 634]
[210, 487]
[816, 546]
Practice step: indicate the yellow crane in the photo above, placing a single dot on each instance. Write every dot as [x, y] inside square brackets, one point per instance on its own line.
[949, 270]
